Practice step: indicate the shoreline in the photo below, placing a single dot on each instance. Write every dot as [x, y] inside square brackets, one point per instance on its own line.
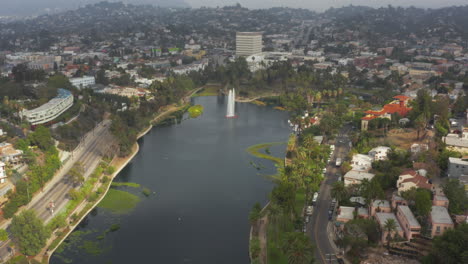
[126, 160]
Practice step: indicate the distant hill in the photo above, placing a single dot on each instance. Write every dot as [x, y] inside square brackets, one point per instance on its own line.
[39, 7]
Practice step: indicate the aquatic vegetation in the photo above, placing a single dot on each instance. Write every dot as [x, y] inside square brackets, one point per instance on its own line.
[146, 192]
[119, 202]
[255, 151]
[129, 184]
[195, 111]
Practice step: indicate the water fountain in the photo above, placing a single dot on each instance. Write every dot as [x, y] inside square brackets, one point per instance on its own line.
[231, 105]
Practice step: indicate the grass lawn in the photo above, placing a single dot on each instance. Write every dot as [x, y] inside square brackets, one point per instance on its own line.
[208, 90]
[255, 151]
[119, 202]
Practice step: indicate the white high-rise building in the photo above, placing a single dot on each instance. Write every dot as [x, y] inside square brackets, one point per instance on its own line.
[248, 43]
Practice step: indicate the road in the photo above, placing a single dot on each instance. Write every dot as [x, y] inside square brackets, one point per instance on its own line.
[89, 153]
[317, 227]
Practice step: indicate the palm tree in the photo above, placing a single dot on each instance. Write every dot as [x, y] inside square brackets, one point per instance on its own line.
[298, 248]
[339, 191]
[390, 226]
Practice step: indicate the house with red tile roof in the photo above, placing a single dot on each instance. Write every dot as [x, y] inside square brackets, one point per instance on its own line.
[398, 106]
[412, 179]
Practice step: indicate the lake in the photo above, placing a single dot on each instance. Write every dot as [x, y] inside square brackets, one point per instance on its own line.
[203, 184]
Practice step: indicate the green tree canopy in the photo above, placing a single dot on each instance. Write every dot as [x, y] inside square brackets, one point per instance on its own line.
[451, 247]
[456, 194]
[29, 232]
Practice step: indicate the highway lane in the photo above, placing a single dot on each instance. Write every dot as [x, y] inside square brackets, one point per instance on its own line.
[317, 227]
[89, 152]
[89, 158]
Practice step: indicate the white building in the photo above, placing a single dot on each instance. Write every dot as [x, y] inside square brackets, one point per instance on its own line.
[82, 82]
[2, 172]
[356, 177]
[379, 153]
[248, 43]
[361, 162]
[52, 109]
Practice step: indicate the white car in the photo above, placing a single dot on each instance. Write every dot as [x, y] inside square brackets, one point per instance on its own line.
[309, 210]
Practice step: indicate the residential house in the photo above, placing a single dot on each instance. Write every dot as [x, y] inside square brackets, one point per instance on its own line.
[356, 177]
[380, 206]
[440, 200]
[457, 167]
[408, 222]
[3, 175]
[412, 179]
[440, 220]
[379, 153]
[361, 162]
[382, 218]
[9, 154]
[363, 213]
[419, 147]
[397, 201]
[456, 143]
[398, 106]
[345, 214]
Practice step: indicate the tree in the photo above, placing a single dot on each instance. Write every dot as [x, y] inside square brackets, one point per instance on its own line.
[423, 202]
[29, 232]
[42, 138]
[75, 174]
[457, 196]
[298, 248]
[3, 235]
[420, 124]
[339, 191]
[283, 196]
[451, 247]
[390, 226]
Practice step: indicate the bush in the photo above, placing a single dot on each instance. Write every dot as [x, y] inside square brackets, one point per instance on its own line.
[105, 179]
[93, 197]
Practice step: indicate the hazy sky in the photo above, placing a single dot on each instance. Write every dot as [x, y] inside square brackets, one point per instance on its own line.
[30, 7]
[324, 4]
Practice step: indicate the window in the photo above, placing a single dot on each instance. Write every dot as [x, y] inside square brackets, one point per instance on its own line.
[438, 229]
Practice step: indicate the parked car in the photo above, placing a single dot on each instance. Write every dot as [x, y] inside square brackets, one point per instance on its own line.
[309, 210]
[314, 198]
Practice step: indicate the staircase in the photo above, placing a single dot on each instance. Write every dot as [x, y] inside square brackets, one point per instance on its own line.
[418, 247]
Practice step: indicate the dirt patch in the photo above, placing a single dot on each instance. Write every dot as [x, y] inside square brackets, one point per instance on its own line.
[404, 138]
[379, 256]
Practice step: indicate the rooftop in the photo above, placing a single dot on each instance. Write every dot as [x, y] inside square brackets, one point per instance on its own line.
[409, 216]
[458, 161]
[346, 212]
[383, 217]
[440, 198]
[381, 203]
[359, 175]
[455, 141]
[362, 211]
[62, 94]
[440, 215]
